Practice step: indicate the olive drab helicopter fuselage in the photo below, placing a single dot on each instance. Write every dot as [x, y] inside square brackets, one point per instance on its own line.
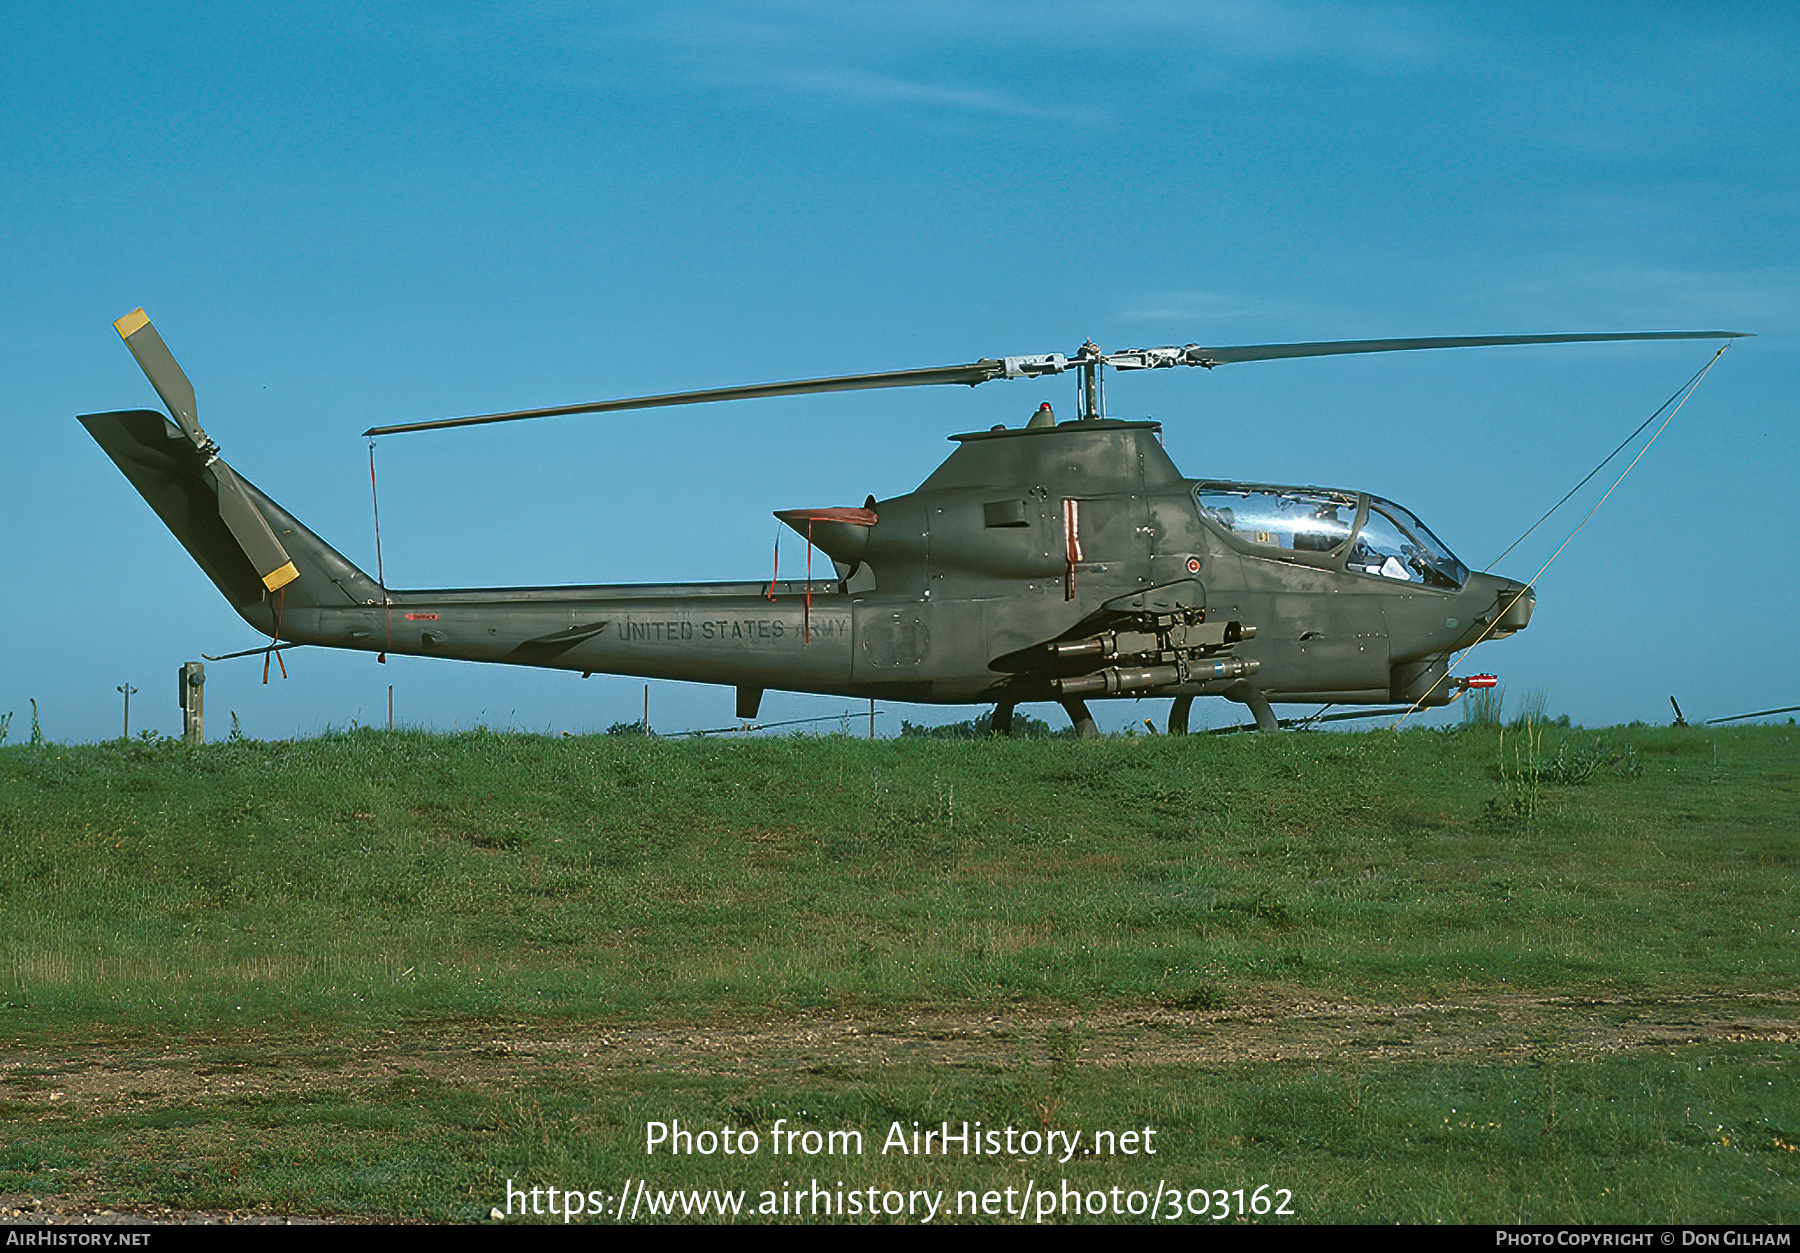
[1061, 561]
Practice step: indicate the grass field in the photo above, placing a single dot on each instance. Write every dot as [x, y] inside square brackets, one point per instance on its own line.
[1463, 976]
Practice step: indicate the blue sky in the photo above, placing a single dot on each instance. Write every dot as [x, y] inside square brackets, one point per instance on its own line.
[341, 215]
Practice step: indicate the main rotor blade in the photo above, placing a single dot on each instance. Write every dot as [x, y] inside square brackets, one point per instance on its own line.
[1785, 709]
[989, 368]
[158, 364]
[251, 530]
[969, 375]
[1194, 354]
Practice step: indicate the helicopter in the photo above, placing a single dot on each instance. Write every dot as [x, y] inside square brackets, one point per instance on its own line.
[1060, 561]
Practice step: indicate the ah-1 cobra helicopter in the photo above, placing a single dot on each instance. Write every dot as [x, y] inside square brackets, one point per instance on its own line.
[1060, 561]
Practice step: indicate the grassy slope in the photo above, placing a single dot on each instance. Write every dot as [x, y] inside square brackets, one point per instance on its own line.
[256, 908]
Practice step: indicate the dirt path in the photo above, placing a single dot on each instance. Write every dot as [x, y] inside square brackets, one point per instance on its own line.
[845, 1044]
[109, 1077]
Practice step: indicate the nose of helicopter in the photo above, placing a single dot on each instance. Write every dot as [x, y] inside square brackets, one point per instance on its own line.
[1513, 605]
[1505, 607]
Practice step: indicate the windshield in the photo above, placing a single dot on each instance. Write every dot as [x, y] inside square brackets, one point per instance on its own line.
[1395, 545]
[1390, 544]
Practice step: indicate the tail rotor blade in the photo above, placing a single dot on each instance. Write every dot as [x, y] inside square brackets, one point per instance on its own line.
[239, 513]
[158, 363]
[251, 530]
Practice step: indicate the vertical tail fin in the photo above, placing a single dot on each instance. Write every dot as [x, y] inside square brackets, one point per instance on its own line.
[249, 546]
[183, 486]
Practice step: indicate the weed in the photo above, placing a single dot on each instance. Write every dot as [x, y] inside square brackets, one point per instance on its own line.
[1530, 712]
[5, 725]
[1530, 770]
[37, 732]
[1481, 707]
[1522, 778]
[1625, 763]
[1200, 996]
[1574, 763]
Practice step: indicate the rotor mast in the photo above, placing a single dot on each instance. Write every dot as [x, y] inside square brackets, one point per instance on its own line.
[1092, 361]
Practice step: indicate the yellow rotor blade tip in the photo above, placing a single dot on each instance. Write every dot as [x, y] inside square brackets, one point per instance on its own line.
[131, 323]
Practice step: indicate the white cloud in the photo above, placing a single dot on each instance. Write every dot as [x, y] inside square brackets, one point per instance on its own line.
[934, 54]
[871, 88]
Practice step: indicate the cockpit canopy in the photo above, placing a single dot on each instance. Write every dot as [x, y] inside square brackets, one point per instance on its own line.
[1342, 530]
